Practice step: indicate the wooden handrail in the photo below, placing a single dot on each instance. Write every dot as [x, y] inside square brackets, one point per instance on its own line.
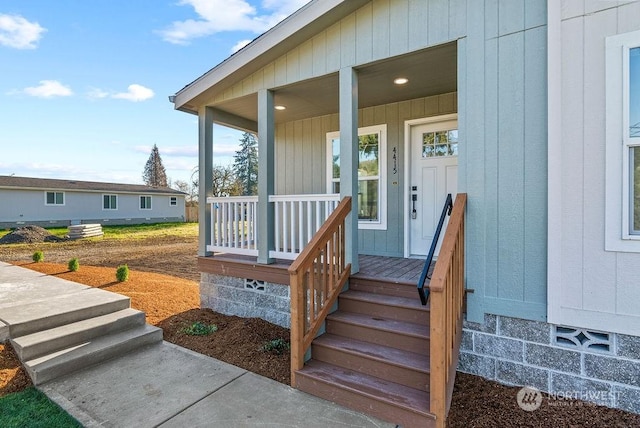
[317, 276]
[447, 298]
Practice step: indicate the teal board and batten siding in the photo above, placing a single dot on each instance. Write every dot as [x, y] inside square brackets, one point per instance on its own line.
[503, 164]
[301, 161]
[502, 121]
[591, 287]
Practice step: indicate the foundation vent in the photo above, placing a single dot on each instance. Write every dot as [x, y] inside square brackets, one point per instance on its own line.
[582, 339]
[254, 284]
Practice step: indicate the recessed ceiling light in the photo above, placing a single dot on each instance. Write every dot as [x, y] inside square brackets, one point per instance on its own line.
[400, 80]
[280, 107]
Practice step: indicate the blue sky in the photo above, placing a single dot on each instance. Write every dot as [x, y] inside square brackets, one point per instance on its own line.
[84, 85]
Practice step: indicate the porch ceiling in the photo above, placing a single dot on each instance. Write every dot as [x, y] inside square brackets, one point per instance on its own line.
[430, 71]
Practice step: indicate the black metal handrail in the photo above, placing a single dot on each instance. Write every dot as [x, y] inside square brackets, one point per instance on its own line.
[446, 210]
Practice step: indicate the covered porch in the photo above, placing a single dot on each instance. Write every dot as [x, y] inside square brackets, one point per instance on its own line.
[343, 127]
[311, 156]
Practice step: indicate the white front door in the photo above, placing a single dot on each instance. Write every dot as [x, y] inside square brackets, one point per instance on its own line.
[434, 174]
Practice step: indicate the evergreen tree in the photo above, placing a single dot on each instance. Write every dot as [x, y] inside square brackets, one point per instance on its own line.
[154, 172]
[245, 164]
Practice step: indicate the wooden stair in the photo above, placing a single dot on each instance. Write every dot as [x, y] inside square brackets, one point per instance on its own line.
[374, 355]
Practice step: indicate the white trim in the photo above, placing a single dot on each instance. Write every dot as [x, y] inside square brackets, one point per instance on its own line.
[407, 170]
[241, 251]
[305, 197]
[110, 209]
[617, 211]
[554, 162]
[173, 199]
[150, 203]
[55, 192]
[381, 130]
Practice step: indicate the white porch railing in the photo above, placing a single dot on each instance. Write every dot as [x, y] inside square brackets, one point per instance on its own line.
[233, 225]
[297, 219]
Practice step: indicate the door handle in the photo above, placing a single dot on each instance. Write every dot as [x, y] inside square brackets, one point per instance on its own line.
[414, 213]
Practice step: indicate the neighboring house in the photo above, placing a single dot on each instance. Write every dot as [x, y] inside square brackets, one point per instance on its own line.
[49, 202]
[531, 108]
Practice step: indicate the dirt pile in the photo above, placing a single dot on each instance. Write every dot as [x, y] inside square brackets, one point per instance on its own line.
[29, 235]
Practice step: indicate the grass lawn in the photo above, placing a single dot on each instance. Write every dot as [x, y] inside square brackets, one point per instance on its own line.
[32, 409]
[135, 231]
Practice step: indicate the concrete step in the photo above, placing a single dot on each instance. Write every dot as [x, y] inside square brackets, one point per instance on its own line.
[47, 341]
[382, 331]
[391, 364]
[52, 312]
[91, 352]
[386, 400]
[385, 306]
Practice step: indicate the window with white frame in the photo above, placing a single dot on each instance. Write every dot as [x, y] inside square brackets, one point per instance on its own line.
[623, 142]
[633, 138]
[109, 202]
[372, 166]
[54, 198]
[145, 202]
[173, 201]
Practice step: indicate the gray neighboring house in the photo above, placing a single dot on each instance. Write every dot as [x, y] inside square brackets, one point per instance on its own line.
[50, 202]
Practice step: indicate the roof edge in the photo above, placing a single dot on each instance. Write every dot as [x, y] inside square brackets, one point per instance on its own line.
[263, 46]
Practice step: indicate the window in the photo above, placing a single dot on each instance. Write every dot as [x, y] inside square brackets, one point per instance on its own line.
[54, 198]
[145, 202]
[372, 189]
[109, 202]
[173, 201]
[633, 141]
[440, 144]
[623, 142]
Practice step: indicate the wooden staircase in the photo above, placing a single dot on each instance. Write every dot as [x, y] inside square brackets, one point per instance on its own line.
[381, 353]
[374, 355]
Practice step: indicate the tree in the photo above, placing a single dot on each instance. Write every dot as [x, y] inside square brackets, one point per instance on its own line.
[225, 182]
[245, 164]
[154, 173]
[182, 186]
[223, 179]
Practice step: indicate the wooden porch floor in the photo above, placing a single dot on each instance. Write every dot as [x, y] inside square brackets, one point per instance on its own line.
[389, 269]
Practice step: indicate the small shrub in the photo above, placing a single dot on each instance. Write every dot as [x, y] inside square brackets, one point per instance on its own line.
[122, 273]
[276, 346]
[74, 264]
[200, 329]
[38, 256]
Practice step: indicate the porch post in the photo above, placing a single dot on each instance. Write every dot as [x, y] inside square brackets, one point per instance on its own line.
[266, 187]
[205, 180]
[349, 159]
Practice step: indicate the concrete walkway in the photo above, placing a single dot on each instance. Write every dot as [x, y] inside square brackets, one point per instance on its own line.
[164, 385]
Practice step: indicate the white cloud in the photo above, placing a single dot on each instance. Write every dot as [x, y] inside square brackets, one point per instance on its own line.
[240, 45]
[215, 16]
[17, 32]
[97, 93]
[49, 89]
[135, 93]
